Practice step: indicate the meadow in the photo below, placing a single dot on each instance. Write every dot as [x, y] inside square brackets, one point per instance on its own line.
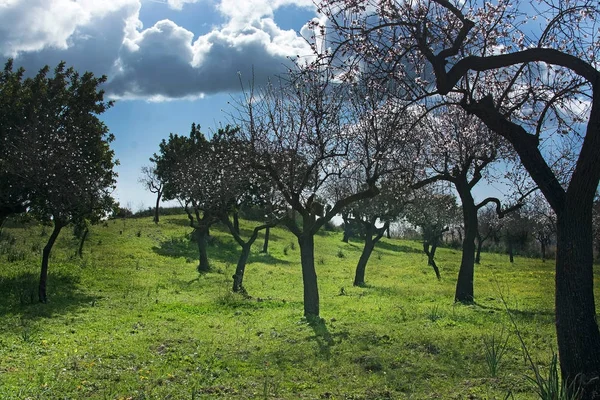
[133, 319]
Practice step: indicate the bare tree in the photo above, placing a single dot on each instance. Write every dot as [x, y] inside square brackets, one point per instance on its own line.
[153, 184]
[305, 130]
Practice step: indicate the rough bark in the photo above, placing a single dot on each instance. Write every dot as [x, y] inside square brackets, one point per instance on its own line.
[579, 347]
[464, 285]
[42, 293]
[309, 274]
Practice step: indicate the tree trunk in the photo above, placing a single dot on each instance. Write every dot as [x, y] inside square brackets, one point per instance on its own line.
[238, 278]
[347, 232]
[479, 247]
[359, 276]
[430, 258]
[309, 274]
[82, 241]
[388, 232]
[42, 294]
[158, 196]
[576, 325]
[464, 285]
[236, 222]
[511, 252]
[543, 246]
[201, 235]
[266, 242]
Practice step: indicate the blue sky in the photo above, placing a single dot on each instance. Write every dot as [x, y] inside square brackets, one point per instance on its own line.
[169, 63]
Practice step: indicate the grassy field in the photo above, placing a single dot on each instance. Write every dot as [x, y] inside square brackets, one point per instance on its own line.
[133, 319]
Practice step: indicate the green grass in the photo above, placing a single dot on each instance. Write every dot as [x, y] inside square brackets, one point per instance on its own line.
[134, 320]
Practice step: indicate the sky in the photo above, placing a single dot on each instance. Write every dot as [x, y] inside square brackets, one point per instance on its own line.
[169, 62]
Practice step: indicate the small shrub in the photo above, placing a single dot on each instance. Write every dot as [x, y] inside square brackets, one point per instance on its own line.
[434, 313]
[494, 348]
[340, 254]
[286, 249]
[552, 387]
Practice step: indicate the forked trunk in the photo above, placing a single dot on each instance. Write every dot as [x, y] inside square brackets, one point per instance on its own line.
[464, 284]
[430, 258]
[42, 293]
[309, 275]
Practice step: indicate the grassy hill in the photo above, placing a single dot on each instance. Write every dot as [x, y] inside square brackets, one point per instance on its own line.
[133, 319]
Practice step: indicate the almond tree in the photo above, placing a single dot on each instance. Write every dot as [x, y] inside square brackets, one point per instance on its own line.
[526, 80]
[186, 168]
[61, 153]
[372, 215]
[433, 211]
[489, 227]
[304, 131]
[460, 150]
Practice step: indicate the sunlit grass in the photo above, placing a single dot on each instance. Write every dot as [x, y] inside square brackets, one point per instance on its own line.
[133, 319]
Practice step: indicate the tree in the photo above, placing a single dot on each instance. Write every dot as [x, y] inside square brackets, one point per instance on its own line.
[239, 186]
[61, 153]
[185, 165]
[305, 130]
[14, 196]
[373, 216]
[152, 183]
[543, 223]
[524, 90]
[489, 227]
[516, 233]
[460, 150]
[433, 211]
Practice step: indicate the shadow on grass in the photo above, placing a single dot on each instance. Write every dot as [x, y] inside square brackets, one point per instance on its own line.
[325, 340]
[397, 247]
[527, 315]
[20, 296]
[226, 251]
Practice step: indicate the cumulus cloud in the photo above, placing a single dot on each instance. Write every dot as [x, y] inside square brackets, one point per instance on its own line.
[163, 61]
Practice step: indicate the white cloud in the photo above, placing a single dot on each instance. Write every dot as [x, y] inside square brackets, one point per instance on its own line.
[160, 62]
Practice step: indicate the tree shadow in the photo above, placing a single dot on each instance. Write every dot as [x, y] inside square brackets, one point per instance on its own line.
[227, 251]
[324, 339]
[397, 247]
[527, 315]
[20, 296]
